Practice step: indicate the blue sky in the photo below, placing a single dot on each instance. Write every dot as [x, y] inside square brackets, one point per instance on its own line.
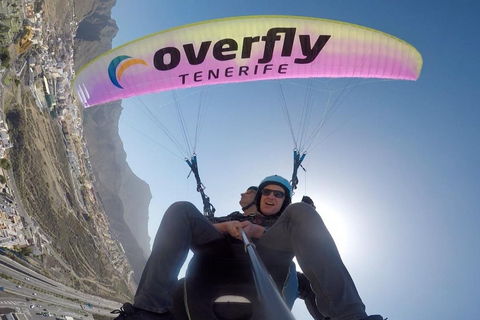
[398, 180]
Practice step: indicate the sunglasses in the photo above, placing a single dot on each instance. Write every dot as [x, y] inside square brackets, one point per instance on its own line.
[276, 193]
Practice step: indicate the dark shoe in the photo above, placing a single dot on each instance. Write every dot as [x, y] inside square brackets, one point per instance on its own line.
[129, 312]
[374, 317]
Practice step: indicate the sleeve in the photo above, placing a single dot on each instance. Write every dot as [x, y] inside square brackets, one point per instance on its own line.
[232, 216]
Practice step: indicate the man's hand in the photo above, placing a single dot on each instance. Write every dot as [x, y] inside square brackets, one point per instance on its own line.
[231, 228]
[253, 230]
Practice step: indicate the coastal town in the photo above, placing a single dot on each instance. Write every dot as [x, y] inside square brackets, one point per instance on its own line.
[46, 68]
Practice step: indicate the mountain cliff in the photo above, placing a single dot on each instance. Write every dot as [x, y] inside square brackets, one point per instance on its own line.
[125, 197]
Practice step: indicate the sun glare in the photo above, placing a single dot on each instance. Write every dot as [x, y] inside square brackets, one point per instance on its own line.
[337, 226]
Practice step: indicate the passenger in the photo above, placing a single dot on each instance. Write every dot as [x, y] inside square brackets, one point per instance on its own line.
[249, 209]
[284, 231]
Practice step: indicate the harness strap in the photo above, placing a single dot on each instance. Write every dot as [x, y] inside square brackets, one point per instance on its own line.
[248, 206]
[297, 163]
[208, 208]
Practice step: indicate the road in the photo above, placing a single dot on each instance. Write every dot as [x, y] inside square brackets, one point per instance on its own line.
[43, 291]
[35, 311]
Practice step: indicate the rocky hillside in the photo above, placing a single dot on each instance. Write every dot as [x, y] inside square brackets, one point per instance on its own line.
[96, 29]
[72, 237]
[122, 193]
[125, 197]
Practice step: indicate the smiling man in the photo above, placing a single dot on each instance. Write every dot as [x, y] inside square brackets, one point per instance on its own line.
[272, 200]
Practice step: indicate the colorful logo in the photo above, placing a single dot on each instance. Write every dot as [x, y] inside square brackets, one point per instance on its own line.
[115, 72]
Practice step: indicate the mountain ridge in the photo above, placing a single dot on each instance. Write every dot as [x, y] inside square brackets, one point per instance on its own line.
[124, 196]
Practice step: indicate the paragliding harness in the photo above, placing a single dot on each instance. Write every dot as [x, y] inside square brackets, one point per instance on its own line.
[222, 283]
[209, 292]
[208, 208]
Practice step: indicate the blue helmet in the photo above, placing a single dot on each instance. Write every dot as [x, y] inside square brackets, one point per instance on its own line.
[279, 181]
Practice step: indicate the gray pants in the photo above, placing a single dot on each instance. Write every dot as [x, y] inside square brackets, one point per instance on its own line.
[298, 232]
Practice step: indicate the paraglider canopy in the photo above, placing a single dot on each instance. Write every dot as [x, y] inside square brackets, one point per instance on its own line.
[245, 49]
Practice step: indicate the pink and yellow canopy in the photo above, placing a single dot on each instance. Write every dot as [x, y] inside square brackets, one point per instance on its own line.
[245, 49]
